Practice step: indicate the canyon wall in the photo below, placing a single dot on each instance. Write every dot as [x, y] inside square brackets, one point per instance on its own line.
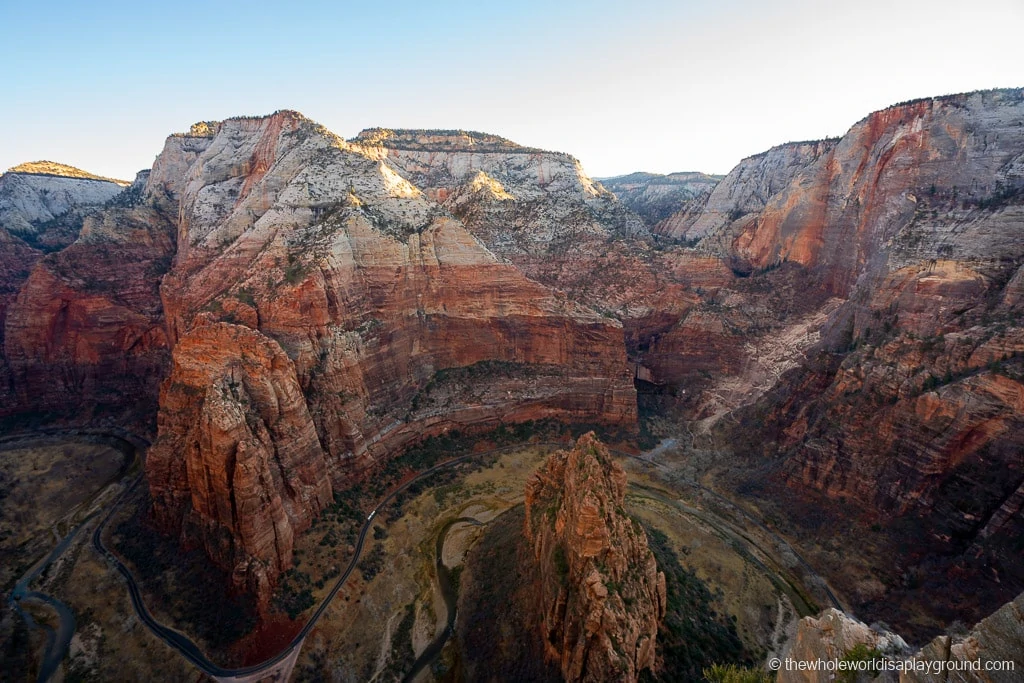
[655, 197]
[859, 297]
[306, 265]
[79, 304]
[901, 244]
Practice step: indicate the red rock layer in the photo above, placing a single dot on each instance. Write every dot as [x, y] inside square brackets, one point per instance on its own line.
[85, 334]
[238, 466]
[601, 593]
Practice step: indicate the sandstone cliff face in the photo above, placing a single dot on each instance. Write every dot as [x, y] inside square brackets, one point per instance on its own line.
[525, 204]
[85, 330]
[745, 191]
[916, 217]
[833, 635]
[391, 319]
[82, 328]
[601, 592]
[540, 212]
[911, 183]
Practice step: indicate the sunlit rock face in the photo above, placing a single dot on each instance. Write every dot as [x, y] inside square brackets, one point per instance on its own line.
[35, 195]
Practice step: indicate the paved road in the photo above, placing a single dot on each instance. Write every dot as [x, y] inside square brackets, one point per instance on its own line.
[57, 642]
[646, 459]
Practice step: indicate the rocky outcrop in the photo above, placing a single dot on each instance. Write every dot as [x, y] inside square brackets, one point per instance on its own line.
[834, 637]
[998, 638]
[82, 329]
[829, 638]
[601, 593]
[655, 197]
[525, 204]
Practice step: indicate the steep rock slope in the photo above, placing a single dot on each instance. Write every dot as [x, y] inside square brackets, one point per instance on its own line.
[910, 231]
[913, 215]
[924, 229]
[372, 308]
[600, 589]
[540, 212]
[528, 206]
[833, 635]
[745, 191]
[82, 329]
[36, 198]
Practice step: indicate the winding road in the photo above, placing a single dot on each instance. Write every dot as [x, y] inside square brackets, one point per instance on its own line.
[57, 642]
[190, 651]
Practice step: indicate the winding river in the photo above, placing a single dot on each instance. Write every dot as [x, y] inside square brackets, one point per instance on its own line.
[450, 594]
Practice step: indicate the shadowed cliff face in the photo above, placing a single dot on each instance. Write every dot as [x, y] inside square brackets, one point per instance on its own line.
[42, 206]
[656, 197]
[601, 593]
[83, 331]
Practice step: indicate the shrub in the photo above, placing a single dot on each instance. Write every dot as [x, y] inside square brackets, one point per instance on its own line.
[730, 673]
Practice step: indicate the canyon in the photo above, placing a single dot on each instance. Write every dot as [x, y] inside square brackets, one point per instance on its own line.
[834, 327]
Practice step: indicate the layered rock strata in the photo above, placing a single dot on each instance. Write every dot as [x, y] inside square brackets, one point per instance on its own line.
[82, 326]
[655, 197]
[380, 317]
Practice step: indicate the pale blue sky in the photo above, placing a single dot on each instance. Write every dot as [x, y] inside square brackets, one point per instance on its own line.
[640, 85]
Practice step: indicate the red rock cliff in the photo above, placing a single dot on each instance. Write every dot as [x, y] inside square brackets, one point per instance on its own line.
[602, 595]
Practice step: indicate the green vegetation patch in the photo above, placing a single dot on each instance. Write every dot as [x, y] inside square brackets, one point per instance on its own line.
[693, 636]
[185, 584]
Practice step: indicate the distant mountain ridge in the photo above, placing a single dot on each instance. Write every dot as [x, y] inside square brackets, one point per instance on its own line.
[53, 168]
[655, 197]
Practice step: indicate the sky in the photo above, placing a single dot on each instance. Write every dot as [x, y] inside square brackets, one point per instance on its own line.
[623, 86]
